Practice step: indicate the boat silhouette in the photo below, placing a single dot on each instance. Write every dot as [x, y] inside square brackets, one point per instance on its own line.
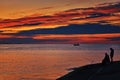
[76, 44]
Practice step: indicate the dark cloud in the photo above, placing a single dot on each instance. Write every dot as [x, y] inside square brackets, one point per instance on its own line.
[109, 5]
[1, 31]
[115, 39]
[98, 7]
[92, 12]
[26, 24]
[68, 15]
[30, 41]
[94, 15]
[75, 29]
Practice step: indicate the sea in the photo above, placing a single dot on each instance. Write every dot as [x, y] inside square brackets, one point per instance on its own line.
[49, 61]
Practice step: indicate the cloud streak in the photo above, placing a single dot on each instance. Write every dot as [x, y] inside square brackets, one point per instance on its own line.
[97, 24]
[109, 13]
[74, 29]
[59, 38]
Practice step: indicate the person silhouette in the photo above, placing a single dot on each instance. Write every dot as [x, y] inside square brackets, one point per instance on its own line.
[106, 59]
[111, 54]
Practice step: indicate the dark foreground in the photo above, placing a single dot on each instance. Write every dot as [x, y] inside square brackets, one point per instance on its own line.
[94, 72]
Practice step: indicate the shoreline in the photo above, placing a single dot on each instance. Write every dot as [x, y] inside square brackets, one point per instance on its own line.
[94, 72]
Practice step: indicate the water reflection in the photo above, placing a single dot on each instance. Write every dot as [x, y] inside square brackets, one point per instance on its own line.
[47, 62]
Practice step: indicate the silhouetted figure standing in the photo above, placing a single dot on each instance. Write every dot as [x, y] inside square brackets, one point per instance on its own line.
[106, 59]
[111, 54]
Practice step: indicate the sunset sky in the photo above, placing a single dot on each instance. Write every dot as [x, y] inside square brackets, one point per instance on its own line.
[60, 21]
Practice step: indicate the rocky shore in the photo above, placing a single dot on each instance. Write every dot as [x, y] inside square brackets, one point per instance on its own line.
[94, 72]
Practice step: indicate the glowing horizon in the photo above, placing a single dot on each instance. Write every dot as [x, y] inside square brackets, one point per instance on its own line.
[22, 17]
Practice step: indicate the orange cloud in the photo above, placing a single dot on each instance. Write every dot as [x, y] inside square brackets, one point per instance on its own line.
[5, 36]
[109, 14]
[59, 38]
[81, 38]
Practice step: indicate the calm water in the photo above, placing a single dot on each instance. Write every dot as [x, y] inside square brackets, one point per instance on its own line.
[48, 61]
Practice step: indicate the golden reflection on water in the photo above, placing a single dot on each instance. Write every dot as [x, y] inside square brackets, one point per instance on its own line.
[44, 64]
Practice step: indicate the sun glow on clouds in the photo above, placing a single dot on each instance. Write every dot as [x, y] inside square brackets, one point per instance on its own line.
[76, 35]
[107, 13]
[79, 37]
[26, 28]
